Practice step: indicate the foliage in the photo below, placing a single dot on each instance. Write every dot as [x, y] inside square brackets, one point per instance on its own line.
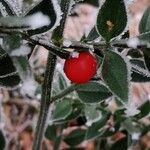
[21, 33]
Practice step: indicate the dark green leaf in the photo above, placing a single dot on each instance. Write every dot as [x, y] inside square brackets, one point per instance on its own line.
[50, 132]
[6, 66]
[92, 2]
[3, 142]
[95, 129]
[48, 9]
[92, 92]
[112, 19]
[92, 35]
[144, 110]
[10, 81]
[115, 74]
[120, 145]
[75, 137]
[76, 110]
[2, 52]
[147, 58]
[137, 76]
[138, 62]
[145, 22]
[119, 115]
[8, 73]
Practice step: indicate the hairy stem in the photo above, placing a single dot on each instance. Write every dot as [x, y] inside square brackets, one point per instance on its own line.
[46, 88]
[45, 101]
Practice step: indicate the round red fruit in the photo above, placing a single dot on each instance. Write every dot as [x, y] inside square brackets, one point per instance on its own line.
[82, 68]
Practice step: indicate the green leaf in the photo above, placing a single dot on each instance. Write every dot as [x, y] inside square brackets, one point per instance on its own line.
[3, 142]
[2, 52]
[120, 145]
[144, 38]
[6, 66]
[129, 126]
[49, 11]
[10, 81]
[92, 92]
[95, 2]
[137, 77]
[12, 42]
[50, 132]
[77, 108]
[119, 115]
[62, 82]
[92, 35]
[115, 74]
[112, 19]
[147, 58]
[62, 110]
[8, 73]
[144, 25]
[92, 114]
[94, 130]
[75, 137]
[144, 110]
[22, 65]
[14, 46]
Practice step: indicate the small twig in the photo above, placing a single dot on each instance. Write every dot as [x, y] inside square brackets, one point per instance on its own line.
[37, 41]
[66, 91]
[123, 44]
[49, 46]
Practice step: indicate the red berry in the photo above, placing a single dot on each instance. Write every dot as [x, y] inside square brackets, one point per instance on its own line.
[80, 69]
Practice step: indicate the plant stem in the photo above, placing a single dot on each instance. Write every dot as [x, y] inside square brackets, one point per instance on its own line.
[64, 92]
[46, 88]
[49, 46]
[45, 101]
[62, 53]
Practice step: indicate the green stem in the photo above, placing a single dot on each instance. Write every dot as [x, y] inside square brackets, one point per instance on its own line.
[45, 101]
[64, 92]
